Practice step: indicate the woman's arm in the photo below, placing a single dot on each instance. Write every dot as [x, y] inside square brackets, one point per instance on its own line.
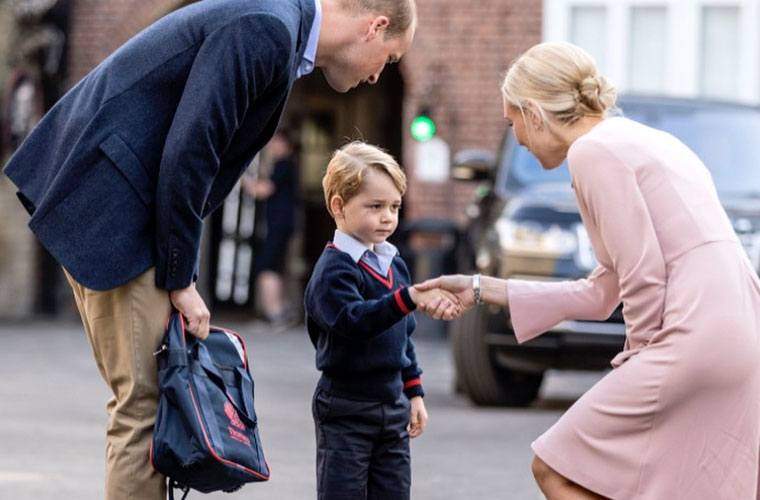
[608, 186]
[492, 290]
[536, 306]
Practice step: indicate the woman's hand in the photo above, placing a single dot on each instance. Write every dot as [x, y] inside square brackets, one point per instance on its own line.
[459, 284]
[261, 189]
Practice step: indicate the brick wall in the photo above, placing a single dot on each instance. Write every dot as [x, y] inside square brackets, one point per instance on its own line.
[459, 56]
[99, 27]
[17, 247]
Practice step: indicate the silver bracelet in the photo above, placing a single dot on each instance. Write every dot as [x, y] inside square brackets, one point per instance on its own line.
[476, 288]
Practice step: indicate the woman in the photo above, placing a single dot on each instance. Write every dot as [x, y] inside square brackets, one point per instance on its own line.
[678, 416]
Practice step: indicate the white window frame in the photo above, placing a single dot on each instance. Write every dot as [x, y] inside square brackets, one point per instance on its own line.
[683, 40]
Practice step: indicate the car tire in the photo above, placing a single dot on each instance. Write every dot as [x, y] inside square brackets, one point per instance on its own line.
[477, 374]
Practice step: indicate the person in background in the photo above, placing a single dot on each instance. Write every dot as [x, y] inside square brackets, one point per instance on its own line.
[279, 196]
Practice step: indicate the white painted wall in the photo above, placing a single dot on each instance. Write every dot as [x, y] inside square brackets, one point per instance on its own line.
[682, 44]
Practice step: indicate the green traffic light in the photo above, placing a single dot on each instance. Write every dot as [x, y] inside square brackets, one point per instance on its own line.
[423, 128]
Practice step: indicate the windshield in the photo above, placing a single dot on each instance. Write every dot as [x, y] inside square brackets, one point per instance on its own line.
[726, 139]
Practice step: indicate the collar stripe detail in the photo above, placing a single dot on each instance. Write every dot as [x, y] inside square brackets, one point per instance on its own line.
[388, 282]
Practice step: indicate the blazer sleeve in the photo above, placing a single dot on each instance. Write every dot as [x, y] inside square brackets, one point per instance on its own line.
[616, 206]
[234, 64]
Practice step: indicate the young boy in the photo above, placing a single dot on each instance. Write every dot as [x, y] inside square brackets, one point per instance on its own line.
[358, 301]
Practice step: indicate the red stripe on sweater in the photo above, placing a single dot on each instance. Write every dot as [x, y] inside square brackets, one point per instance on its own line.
[400, 302]
[412, 383]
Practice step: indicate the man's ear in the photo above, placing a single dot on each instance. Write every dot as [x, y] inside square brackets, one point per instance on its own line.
[336, 206]
[377, 27]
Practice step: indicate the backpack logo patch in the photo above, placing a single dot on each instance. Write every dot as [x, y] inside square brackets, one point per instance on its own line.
[236, 425]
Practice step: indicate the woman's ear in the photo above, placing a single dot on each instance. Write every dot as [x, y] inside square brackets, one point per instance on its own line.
[534, 117]
[336, 206]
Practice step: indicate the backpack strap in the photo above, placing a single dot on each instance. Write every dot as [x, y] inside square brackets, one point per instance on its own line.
[174, 484]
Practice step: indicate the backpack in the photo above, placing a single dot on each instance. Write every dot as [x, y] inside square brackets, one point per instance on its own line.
[206, 435]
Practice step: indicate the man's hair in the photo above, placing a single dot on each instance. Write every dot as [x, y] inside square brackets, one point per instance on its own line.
[348, 168]
[401, 13]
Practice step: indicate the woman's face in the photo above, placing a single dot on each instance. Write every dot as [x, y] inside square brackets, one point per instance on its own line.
[531, 132]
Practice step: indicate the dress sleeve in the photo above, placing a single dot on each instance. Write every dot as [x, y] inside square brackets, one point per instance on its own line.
[616, 207]
[536, 306]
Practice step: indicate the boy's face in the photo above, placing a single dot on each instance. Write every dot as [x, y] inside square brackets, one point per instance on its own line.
[370, 216]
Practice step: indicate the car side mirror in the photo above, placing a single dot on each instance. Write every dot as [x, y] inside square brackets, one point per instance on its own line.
[473, 165]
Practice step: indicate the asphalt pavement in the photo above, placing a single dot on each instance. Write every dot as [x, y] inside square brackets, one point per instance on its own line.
[53, 418]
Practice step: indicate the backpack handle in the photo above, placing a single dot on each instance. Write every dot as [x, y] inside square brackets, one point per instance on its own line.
[246, 414]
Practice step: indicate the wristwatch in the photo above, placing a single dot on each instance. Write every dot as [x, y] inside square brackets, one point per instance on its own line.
[476, 288]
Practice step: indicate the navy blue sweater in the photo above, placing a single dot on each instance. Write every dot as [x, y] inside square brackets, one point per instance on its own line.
[361, 325]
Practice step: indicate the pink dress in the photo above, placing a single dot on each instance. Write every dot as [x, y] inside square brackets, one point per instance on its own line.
[679, 415]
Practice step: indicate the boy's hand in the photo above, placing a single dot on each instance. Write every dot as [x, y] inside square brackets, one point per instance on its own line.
[419, 417]
[436, 302]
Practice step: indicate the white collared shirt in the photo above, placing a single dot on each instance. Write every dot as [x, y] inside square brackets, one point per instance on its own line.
[310, 54]
[379, 258]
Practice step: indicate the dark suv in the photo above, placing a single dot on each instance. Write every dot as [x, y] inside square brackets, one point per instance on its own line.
[524, 223]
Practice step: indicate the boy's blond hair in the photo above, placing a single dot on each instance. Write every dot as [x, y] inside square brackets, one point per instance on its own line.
[348, 166]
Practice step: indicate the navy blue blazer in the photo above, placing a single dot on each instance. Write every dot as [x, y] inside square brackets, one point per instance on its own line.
[119, 175]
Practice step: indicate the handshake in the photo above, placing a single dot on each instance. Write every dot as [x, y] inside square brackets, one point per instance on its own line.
[445, 297]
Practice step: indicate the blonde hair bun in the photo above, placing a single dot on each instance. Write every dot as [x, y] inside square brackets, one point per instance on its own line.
[561, 80]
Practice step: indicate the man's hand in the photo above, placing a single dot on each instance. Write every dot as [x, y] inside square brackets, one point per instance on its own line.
[418, 418]
[190, 305]
[459, 284]
[437, 303]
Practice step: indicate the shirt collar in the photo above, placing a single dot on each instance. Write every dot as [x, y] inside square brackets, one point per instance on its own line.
[310, 54]
[385, 252]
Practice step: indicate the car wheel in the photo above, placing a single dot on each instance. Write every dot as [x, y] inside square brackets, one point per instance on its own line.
[477, 373]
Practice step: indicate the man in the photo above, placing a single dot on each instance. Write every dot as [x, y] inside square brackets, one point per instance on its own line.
[120, 173]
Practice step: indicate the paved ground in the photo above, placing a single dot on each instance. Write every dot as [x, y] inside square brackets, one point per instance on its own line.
[52, 421]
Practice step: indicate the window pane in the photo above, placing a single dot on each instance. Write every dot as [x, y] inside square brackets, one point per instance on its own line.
[720, 51]
[588, 30]
[646, 64]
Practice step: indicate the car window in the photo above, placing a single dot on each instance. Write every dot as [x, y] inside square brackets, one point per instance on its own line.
[724, 138]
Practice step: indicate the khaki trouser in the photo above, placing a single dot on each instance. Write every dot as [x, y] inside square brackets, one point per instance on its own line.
[125, 326]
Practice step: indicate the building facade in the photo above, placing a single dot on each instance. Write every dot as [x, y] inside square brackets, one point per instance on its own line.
[684, 48]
